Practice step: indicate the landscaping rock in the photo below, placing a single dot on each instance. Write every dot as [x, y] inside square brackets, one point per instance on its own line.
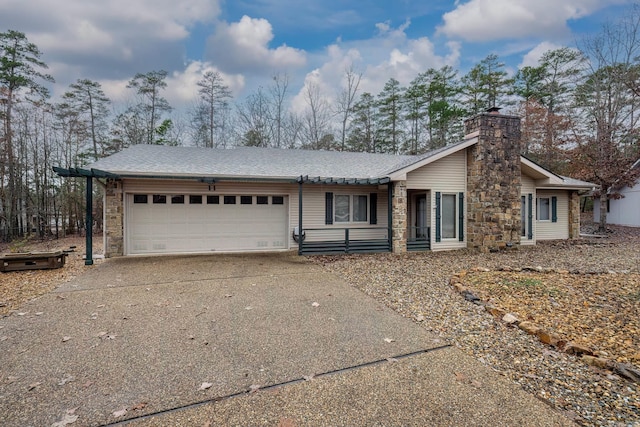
[510, 319]
[529, 328]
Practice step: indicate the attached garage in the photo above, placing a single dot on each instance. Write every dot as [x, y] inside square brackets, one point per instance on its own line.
[189, 223]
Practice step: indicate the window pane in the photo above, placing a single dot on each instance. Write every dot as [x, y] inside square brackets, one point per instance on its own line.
[139, 198]
[277, 200]
[177, 200]
[195, 200]
[342, 208]
[262, 200]
[543, 209]
[246, 200]
[213, 200]
[359, 208]
[229, 200]
[159, 199]
[448, 216]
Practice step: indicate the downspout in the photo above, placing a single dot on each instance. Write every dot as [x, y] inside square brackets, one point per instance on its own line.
[390, 214]
[300, 239]
[89, 223]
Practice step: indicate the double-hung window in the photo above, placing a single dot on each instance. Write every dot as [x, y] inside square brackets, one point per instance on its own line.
[543, 209]
[350, 208]
[449, 216]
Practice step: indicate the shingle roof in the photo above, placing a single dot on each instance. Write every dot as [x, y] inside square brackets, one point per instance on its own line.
[246, 162]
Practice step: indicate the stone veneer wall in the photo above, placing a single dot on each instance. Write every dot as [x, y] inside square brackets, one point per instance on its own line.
[574, 215]
[399, 223]
[113, 225]
[493, 182]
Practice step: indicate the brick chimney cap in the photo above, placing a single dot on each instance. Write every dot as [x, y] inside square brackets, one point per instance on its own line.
[493, 110]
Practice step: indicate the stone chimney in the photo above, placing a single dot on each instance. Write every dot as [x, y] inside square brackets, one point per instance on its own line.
[493, 182]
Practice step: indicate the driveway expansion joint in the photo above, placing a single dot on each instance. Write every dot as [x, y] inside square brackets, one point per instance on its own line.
[274, 386]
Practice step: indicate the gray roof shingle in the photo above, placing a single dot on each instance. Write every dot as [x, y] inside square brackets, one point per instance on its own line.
[249, 162]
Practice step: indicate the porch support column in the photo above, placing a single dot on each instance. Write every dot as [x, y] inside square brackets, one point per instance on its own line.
[89, 223]
[399, 216]
[390, 214]
[574, 215]
[300, 218]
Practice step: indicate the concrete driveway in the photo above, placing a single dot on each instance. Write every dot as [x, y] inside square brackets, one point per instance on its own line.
[140, 336]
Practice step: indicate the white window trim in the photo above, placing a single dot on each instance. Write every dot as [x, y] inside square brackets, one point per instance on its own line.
[352, 204]
[456, 204]
[539, 210]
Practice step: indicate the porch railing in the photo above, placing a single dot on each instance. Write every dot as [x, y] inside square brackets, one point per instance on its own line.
[419, 239]
[323, 241]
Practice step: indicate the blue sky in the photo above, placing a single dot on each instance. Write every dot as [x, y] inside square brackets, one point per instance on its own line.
[248, 41]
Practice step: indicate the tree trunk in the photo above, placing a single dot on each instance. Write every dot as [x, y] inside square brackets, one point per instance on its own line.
[602, 227]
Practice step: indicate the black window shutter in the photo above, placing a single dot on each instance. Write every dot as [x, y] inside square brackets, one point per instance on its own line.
[328, 208]
[554, 209]
[530, 215]
[438, 230]
[461, 217]
[373, 208]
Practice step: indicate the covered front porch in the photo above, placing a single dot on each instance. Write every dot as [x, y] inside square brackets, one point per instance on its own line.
[405, 226]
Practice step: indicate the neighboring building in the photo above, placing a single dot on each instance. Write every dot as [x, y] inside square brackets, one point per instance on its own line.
[624, 211]
[479, 193]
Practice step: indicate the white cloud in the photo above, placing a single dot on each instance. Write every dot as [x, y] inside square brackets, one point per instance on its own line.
[391, 53]
[243, 46]
[85, 26]
[532, 58]
[483, 20]
[182, 86]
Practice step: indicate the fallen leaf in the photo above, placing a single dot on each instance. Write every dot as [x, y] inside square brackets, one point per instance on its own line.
[40, 313]
[65, 339]
[460, 376]
[66, 379]
[100, 306]
[308, 377]
[476, 384]
[139, 406]
[120, 413]
[66, 420]
[315, 304]
[254, 388]
[286, 422]
[228, 295]
[391, 359]
[33, 385]
[191, 337]
[205, 386]
[420, 318]
[389, 340]
[60, 297]
[22, 313]
[102, 334]
[178, 306]
[248, 308]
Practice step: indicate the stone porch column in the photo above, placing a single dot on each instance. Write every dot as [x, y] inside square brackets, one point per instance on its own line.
[399, 223]
[113, 219]
[574, 215]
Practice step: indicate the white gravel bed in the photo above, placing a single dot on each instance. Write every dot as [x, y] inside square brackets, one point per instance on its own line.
[416, 285]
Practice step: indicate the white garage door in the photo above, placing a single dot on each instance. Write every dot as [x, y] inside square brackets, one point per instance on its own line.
[161, 223]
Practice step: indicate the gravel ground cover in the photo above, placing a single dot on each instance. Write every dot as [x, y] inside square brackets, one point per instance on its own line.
[417, 285]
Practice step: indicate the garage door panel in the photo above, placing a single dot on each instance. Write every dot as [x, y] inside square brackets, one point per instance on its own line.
[194, 227]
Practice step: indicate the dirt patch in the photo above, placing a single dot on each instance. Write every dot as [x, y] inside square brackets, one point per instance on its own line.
[18, 287]
[599, 311]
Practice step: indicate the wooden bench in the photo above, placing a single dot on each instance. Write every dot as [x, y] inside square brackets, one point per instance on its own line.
[32, 261]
